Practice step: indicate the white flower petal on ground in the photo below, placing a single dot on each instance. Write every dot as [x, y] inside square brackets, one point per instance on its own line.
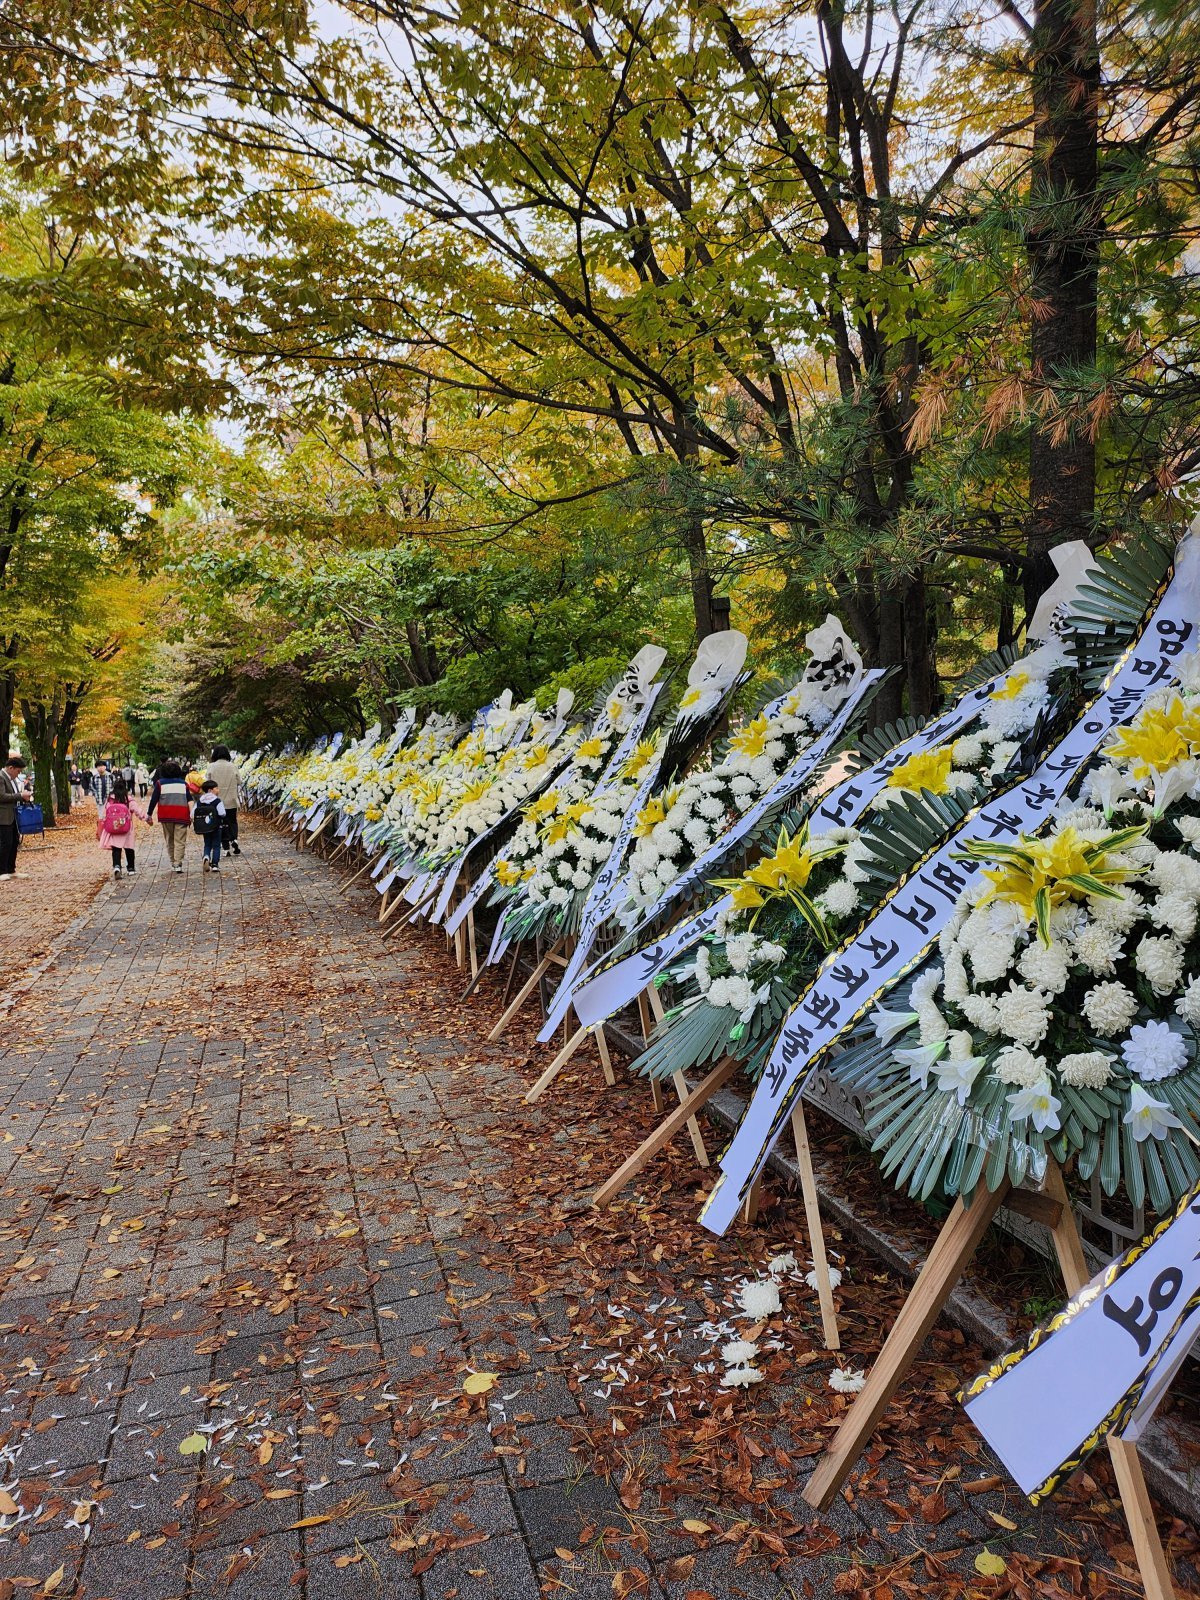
[740, 1377]
[847, 1382]
[835, 1279]
[738, 1352]
[782, 1263]
[759, 1298]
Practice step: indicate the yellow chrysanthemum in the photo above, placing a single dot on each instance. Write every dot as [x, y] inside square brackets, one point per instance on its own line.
[928, 769]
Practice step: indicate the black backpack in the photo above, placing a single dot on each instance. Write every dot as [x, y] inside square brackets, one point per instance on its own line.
[206, 819]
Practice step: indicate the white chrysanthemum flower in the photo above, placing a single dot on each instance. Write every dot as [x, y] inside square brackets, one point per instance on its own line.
[925, 987]
[1109, 1009]
[847, 1382]
[813, 1282]
[759, 1299]
[738, 1352]
[740, 1377]
[956, 985]
[1175, 872]
[710, 806]
[782, 1263]
[770, 953]
[558, 896]
[991, 957]
[1160, 961]
[1098, 949]
[1086, 1069]
[967, 751]
[1024, 1014]
[739, 951]
[1044, 966]
[1019, 1068]
[1188, 1004]
[982, 1012]
[840, 899]
[1177, 913]
[1189, 827]
[1153, 1051]
[1119, 914]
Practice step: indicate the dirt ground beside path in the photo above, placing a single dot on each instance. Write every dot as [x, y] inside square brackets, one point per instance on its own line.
[299, 1300]
[57, 880]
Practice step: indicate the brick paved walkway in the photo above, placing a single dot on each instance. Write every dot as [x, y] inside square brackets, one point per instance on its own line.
[265, 1193]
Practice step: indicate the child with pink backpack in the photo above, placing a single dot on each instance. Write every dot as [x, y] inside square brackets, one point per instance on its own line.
[114, 827]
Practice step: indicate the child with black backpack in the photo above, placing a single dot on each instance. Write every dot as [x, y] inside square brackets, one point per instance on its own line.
[114, 828]
[206, 821]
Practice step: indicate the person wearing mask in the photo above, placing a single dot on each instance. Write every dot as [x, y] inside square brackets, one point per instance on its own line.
[208, 820]
[224, 774]
[14, 791]
[169, 797]
[114, 828]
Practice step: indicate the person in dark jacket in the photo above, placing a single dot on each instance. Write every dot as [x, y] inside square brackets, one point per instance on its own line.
[223, 772]
[170, 798]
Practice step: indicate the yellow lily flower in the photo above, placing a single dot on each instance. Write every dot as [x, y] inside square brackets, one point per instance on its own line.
[1012, 686]
[752, 740]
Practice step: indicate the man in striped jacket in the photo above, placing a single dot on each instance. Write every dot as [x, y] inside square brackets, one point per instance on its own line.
[170, 798]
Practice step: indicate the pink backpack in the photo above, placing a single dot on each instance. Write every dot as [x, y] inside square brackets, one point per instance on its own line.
[117, 817]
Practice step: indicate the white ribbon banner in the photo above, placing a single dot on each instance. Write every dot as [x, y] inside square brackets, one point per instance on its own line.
[900, 931]
[1101, 1365]
[605, 989]
[487, 877]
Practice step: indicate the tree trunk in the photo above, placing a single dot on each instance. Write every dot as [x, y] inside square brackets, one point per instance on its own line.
[7, 699]
[889, 703]
[920, 669]
[39, 731]
[695, 543]
[1063, 247]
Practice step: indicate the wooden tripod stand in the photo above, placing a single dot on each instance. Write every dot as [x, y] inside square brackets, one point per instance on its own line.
[953, 1249]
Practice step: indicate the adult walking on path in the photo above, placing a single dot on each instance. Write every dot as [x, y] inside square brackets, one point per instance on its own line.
[114, 828]
[224, 774]
[14, 791]
[171, 799]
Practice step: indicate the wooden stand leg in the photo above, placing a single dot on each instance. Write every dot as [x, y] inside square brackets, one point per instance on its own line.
[471, 946]
[751, 1203]
[383, 905]
[666, 1130]
[699, 1148]
[556, 1066]
[610, 1076]
[816, 1233]
[522, 995]
[644, 1017]
[952, 1250]
[512, 973]
[1127, 1466]
[350, 882]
